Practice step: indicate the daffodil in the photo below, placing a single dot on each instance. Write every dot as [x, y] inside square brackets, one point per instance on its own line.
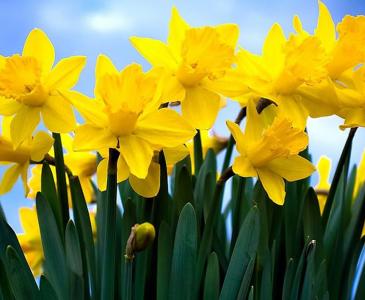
[125, 115]
[192, 59]
[18, 160]
[323, 186]
[30, 239]
[30, 88]
[268, 149]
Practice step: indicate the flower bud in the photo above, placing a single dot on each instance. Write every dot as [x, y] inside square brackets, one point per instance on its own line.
[142, 235]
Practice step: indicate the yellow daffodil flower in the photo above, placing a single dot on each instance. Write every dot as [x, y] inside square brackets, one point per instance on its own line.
[29, 87]
[323, 186]
[269, 149]
[125, 116]
[360, 176]
[19, 159]
[30, 240]
[192, 59]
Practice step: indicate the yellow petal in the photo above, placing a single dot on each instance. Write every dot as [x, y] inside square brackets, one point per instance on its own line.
[325, 30]
[200, 107]
[104, 66]
[58, 115]
[92, 110]
[242, 167]
[229, 34]
[137, 153]
[324, 168]
[273, 54]
[149, 186]
[237, 135]
[123, 170]
[40, 146]
[28, 220]
[174, 155]
[273, 184]
[24, 177]
[66, 73]
[39, 46]
[9, 178]
[9, 107]
[155, 52]
[89, 137]
[294, 110]
[23, 124]
[292, 168]
[101, 174]
[177, 31]
[164, 128]
[354, 117]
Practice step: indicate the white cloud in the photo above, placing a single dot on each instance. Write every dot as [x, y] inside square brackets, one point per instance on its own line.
[108, 22]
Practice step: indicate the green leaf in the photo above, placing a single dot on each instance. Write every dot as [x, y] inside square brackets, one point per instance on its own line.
[245, 284]
[244, 250]
[46, 290]
[198, 152]
[73, 253]
[2, 214]
[183, 192]
[288, 279]
[182, 284]
[164, 255]
[212, 281]
[20, 277]
[55, 260]
[49, 191]
[5, 289]
[312, 222]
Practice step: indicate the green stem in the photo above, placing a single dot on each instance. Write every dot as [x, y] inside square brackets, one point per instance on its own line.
[109, 234]
[61, 178]
[128, 279]
[198, 152]
[237, 212]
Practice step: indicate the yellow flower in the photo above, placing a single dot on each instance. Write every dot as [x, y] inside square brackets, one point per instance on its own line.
[125, 116]
[323, 186]
[81, 164]
[30, 240]
[360, 176]
[18, 159]
[192, 59]
[269, 149]
[29, 87]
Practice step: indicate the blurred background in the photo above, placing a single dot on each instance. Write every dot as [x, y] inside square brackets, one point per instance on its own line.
[90, 27]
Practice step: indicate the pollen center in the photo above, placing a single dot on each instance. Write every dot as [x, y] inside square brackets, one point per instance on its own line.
[122, 122]
[20, 80]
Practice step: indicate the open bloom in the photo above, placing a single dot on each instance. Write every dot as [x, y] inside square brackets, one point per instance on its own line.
[269, 149]
[125, 115]
[17, 160]
[29, 88]
[81, 164]
[192, 59]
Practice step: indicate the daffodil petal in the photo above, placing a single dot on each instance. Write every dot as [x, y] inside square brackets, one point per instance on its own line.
[23, 124]
[9, 178]
[58, 115]
[149, 186]
[40, 146]
[39, 46]
[89, 137]
[155, 52]
[9, 107]
[123, 170]
[137, 153]
[104, 66]
[243, 167]
[273, 184]
[177, 31]
[165, 128]
[175, 154]
[200, 107]
[229, 34]
[101, 174]
[24, 177]
[325, 30]
[66, 73]
[273, 54]
[237, 135]
[292, 168]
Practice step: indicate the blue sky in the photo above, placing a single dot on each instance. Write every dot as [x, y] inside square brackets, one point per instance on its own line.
[93, 27]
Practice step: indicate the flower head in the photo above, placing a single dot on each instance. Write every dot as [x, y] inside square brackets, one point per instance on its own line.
[191, 60]
[125, 115]
[269, 149]
[323, 186]
[30, 88]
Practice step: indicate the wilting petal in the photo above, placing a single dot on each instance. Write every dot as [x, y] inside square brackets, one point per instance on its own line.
[149, 186]
[137, 153]
[58, 115]
[165, 128]
[66, 73]
[273, 184]
[39, 46]
[200, 107]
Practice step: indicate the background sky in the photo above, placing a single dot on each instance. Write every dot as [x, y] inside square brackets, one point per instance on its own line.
[92, 27]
